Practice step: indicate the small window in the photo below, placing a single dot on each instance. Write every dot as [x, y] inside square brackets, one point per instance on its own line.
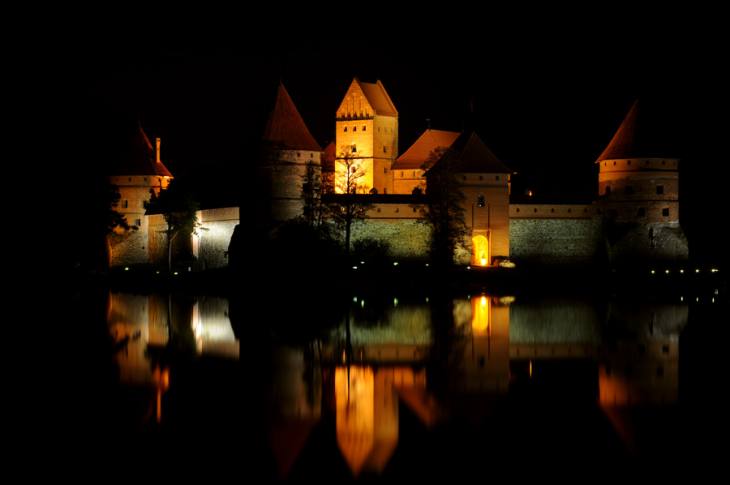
[130, 179]
[641, 212]
[397, 210]
[145, 179]
[629, 190]
[665, 349]
[481, 177]
[518, 209]
[659, 190]
[464, 177]
[496, 177]
[608, 190]
[354, 128]
[570, 210]
[665, 212]
[138, 222]
[385, 149]
[299, 155]
[481, 202]
[385, 169]
[354, 148]
[534, 210]
[345, 129]
[552, 209]
[629, 162]
[125, 204]
[660, 371]
[364, 128]
[414, 174]
[385, 191]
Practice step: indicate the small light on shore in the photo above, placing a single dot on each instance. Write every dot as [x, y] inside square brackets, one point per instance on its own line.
[395, 301]
[653, 272]
[362, 303]
[681, 271]
[468, 267]
[427, 265]
[175, 273]
[354, 299]
[714, 270]
[395, 263]
[354, 267]
[126, 268]
[697, 270]
[681, 298]
[362, 262]
[666, 271]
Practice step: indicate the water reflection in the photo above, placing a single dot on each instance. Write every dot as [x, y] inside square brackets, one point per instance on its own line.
[352, 385]
[144, 327]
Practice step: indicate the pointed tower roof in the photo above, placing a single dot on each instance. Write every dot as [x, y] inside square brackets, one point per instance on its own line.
[140, 158]
[377, 100]
[473, 156]
[637, 137]
[418, 155]
[286, 126]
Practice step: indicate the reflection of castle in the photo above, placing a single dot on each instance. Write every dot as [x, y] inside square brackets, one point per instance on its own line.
[636, 212]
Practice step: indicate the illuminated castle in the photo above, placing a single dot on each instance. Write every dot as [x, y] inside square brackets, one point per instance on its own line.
[635, 217]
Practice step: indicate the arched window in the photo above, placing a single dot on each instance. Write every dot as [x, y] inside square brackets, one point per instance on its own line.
[481, 202]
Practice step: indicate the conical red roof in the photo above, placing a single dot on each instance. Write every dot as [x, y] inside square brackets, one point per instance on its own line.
[286, 126]
[139, 158]
[638, 137]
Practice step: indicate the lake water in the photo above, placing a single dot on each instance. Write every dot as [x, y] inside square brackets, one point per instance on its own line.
[403, 386]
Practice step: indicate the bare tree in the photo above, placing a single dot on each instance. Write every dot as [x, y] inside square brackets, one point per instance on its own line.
[350, 203]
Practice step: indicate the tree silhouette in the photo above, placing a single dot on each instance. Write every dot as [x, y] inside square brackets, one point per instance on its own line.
[179, 209]
[350, 203]
[444, 212]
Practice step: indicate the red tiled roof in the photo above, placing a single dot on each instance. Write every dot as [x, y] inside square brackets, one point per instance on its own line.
[328, 158]
[140, 158]
[419, 154]
[637, 137]
[471, 155]
[286, 127]
[378, 98]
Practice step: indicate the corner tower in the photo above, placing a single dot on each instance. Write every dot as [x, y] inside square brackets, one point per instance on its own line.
[292, 158]
[367, 130]
[638, 192]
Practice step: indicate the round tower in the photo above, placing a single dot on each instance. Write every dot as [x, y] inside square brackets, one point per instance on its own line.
[638, 192]
[291, 162]
[140, 174]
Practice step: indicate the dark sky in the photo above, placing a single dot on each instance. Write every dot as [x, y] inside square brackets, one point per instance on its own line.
[547, 94]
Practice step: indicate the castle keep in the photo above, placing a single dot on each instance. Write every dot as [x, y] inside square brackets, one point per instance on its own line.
[635, 215]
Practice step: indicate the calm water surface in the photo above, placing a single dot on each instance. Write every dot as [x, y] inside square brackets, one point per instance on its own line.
[406, 386]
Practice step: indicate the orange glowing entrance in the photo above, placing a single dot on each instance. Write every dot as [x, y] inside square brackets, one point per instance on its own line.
[480, 255]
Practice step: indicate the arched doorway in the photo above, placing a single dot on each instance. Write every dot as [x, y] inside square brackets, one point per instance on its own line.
[480, 251]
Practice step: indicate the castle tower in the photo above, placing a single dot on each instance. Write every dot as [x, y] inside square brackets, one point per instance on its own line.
[367, 130]
[638, 190]
[485, 183]
[140, 174]
[292, 159]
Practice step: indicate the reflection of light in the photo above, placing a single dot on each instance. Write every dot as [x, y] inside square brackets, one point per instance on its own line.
[395, 301]
[362, 303]
[681, 298]
[530, 369]
[480, 314]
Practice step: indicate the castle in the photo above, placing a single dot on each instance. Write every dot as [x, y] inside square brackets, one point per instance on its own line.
[635, 215]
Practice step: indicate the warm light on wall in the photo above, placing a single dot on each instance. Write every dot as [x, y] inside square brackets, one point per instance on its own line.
[480, 245]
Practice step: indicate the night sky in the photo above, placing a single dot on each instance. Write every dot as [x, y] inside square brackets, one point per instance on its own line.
[547, 96]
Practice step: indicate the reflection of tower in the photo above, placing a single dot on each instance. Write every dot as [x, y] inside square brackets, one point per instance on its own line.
[643, 369]
[367, 413]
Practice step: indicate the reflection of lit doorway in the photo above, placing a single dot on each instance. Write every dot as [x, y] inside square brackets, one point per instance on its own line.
[480, 248]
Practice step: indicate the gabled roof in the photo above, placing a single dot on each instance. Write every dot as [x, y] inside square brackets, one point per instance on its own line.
[419, 154]
[377, 100]
[139, 158]
[286, 127]
[471, 155]
[637, 137]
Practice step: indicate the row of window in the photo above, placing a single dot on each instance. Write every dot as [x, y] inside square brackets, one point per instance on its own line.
[640, 212]
[552, 210]
[365, 128]
[628, 162]
[125, 204]
[629, 190]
